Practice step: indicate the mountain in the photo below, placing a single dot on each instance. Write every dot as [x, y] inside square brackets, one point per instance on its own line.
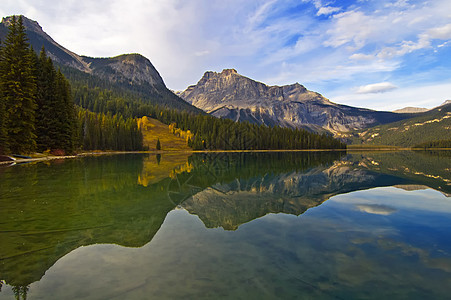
[233, 96]
[410, 110]
[132, 73]
[433, 125]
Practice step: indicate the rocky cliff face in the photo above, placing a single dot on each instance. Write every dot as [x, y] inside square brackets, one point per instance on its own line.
[231, 95]
[126, 68]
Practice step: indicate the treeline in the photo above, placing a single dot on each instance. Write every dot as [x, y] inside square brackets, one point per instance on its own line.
[435, 144]
[36, 107]
[209, 132]
[108, 132]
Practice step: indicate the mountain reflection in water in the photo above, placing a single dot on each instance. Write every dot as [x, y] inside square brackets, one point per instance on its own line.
[50, 209]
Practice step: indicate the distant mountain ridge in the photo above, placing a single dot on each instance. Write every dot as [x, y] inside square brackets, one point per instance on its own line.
[410, 109]
[230, 95]
[128, 70]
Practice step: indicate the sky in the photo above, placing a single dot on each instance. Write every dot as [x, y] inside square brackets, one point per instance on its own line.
[381, 54]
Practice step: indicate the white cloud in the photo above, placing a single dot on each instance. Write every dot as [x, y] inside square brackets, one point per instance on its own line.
[323, 72]
[442, 33]
[399, 3]
[202, 53]
[390, 28]
[405, 47]
[424, 41]
[316, 3]
[361, 56]
[376, 209]
[327, 10]
[425, 95]
[381, 87]
[261, 13]
[345, 29]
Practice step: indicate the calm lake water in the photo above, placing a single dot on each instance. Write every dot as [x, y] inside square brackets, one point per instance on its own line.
[320, 225]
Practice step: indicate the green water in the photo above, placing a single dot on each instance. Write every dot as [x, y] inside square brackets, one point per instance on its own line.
[325, 225]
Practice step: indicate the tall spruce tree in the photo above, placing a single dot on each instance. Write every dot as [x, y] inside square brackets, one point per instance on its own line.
[45, 100]
[18, 88]
[66, 115]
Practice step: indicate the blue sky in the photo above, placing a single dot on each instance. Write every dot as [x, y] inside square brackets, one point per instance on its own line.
[382, 54]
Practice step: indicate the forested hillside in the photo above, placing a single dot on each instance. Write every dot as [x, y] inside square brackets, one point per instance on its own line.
[159, 136]
[426, 128]
[101, 95]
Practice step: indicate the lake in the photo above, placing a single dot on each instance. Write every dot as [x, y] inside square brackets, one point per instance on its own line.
[288, 225]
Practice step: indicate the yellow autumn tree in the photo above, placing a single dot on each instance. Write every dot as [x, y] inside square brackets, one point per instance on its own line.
[186, 135]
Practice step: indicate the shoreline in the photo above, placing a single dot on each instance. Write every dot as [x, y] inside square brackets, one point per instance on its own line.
[84, 154]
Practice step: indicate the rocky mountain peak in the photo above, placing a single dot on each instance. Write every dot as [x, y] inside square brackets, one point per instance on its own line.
[230, 95]
[28, 23]
[295, 88]
[127, 68]
[229, 88]
[228, 72]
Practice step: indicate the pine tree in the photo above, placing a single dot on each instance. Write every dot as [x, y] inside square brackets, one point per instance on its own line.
[18, 88]
[45, 99]
[158, 145]
[64, 106]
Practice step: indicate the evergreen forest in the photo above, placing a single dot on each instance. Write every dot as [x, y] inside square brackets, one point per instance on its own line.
[434, 144]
